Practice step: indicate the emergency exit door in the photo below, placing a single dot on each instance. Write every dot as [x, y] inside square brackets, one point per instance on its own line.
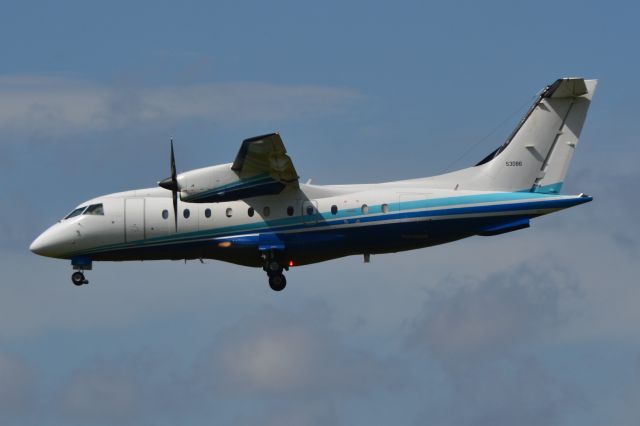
[134, 219]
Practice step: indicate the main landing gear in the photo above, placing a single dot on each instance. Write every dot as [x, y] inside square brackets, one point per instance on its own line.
[274, 270]
[277, 282]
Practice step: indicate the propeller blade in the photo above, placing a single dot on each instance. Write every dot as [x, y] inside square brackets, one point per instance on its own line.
[174, 187]
[174, 178]
[171, 183]
[174, 195]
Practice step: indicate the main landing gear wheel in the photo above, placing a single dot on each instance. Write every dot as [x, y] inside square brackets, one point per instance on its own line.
[274, 266]
[78, 278]
[277, 282]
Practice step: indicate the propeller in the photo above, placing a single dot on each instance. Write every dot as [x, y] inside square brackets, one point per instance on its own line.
[171, 183]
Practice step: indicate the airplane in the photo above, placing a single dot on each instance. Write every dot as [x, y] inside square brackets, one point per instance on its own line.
[256, 212]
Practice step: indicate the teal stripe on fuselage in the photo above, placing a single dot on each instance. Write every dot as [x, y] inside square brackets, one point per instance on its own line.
[551, 189]
[496, 197]
[327, 218]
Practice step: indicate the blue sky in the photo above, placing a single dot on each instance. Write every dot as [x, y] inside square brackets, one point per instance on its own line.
[534, 327]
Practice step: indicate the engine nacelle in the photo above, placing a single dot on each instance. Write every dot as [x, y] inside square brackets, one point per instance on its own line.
[220, 183]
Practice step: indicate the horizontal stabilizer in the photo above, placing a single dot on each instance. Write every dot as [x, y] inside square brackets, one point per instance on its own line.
[566, 88]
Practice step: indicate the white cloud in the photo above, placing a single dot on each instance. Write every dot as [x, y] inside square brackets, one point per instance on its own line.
[57, 105]
[519, 392]
[468, 322]
[275, 353]
[271, 367]
[477, 331]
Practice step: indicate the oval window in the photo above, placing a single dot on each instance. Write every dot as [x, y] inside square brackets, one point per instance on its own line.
[186, 213]
[334, 210]
[207, 213]
[290, 211]
[229, 212]
[385, 208]
[251, 211]
[165, 214]
[310, 210]
[266, 211]
[365, 209]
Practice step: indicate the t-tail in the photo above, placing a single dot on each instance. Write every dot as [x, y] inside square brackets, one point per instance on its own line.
[536, 156]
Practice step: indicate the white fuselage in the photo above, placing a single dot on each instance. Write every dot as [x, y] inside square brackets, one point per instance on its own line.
[139, 224]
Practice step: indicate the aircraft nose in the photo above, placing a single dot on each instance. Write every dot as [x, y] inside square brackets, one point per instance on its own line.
[50, 243]
[40, 245]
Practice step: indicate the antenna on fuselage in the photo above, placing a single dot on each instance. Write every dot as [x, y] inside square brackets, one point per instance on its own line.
[171, 183]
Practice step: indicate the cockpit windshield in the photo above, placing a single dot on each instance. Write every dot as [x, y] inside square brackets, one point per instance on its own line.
[76, 212]
[95, 209]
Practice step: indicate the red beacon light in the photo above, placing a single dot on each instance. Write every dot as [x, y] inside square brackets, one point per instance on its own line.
[290, 263]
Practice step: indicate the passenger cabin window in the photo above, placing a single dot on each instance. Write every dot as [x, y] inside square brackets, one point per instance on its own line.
[250, 211]
[165, 214]
[266, 211]
[310, 210]
[290, 210]
[207, 213]
[385, 208]
[76, 212]
[95, 209]
[186, 213]
[334, 210]
[229, 212]
[364, 209]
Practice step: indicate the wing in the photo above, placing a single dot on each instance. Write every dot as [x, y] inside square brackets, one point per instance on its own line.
[262, 155]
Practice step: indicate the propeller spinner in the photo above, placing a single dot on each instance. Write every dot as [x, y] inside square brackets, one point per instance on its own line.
[171, 183]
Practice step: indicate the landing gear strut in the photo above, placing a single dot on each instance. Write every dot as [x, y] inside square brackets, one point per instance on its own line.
[274, 269]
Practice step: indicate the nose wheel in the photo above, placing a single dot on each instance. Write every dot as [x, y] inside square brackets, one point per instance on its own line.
[78, 279]
[80, 264]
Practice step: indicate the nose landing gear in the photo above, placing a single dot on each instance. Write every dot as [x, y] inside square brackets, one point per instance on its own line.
[78, 278]
[80, 264]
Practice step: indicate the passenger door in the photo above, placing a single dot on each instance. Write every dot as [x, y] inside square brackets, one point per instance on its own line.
[134, 219]
[158, 217]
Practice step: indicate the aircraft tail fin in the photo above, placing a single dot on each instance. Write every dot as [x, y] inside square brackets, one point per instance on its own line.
[537, 154]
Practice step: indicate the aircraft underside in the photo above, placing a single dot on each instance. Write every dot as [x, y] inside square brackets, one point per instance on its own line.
[318, 245]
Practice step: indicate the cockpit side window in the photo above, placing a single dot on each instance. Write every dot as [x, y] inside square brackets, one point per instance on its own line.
[76, 212]
[95, 209]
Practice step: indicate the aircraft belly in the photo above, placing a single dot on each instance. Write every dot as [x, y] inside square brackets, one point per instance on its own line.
[316, 244]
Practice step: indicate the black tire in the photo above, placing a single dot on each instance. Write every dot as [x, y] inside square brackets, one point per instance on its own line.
[78, 278]
[277, 282]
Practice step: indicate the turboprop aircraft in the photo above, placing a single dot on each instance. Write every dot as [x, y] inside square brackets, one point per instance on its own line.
[256, 212]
